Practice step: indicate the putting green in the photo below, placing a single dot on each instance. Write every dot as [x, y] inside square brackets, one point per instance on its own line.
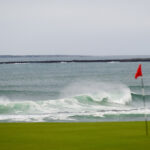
[74, 136]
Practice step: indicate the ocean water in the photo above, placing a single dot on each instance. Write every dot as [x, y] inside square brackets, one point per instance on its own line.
[72, 92]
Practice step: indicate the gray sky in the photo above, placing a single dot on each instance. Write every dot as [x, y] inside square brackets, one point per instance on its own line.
[83, 27]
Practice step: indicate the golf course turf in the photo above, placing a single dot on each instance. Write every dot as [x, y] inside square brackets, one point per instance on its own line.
[74, 136]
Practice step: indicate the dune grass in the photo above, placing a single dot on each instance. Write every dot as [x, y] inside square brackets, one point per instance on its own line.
[74, 136]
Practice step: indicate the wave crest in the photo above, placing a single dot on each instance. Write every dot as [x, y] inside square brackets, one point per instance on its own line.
[95, 102]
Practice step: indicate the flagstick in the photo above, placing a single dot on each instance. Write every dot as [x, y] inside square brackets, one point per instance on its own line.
[145, 115]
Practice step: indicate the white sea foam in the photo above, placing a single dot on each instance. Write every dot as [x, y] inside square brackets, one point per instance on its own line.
[114, 92]
[99, 101]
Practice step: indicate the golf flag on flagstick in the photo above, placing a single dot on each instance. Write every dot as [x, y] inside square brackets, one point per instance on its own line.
[139, 72]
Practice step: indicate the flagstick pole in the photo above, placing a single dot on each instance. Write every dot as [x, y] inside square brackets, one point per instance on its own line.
[145, 115]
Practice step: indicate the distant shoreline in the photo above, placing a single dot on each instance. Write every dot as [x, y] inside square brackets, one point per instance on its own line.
[80, 61]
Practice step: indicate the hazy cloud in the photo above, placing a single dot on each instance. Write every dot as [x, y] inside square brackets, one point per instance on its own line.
[97, 27]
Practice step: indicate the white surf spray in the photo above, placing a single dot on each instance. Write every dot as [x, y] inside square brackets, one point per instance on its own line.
[113, 92]
[81, 101]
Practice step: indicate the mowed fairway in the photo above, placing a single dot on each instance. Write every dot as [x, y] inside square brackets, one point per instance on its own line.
[74, 136]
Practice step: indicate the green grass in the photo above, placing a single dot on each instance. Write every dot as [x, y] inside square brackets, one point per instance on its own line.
[74, 136]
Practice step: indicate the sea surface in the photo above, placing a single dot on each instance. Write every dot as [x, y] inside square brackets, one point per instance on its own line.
[72, 92]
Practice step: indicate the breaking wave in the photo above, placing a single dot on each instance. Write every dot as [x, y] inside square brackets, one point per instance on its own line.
[80, 105]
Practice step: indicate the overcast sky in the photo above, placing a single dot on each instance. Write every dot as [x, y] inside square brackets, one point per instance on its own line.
[81, 27]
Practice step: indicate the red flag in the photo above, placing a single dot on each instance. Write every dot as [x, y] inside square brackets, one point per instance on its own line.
[139, 72]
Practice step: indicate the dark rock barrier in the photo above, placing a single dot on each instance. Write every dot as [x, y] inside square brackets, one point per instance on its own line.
[81, 61]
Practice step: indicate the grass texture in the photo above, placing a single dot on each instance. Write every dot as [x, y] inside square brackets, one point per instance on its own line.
[74, 136]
